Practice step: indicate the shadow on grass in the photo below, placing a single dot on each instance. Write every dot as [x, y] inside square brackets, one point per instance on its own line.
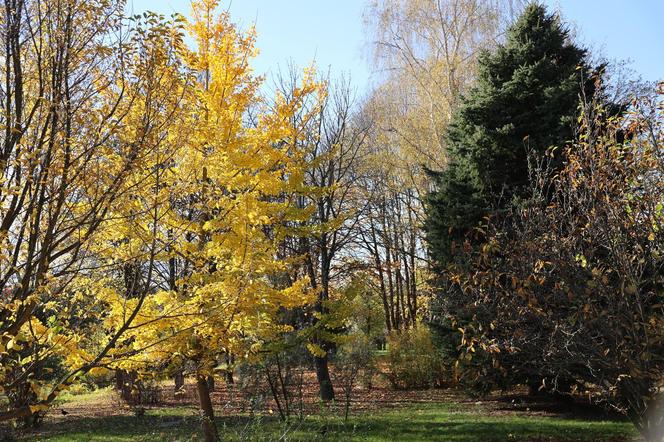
[413, 424]
[430, 426]
[565, 408]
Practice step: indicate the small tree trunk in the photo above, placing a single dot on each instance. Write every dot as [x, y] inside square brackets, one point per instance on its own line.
[126, 383]
[210, 383]
[207, 412]
[230, 359]
[275, 394]
[324, 381]
[119, 379]
[179, 381]
[348, 392]
[563, 391]
[534, 387]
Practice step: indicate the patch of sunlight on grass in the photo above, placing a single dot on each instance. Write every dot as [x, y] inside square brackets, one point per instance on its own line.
[85, 397]
[438, 422]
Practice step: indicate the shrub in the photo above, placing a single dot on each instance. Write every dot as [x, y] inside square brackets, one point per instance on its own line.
[570, 287]
[413, 359]
[353, 362]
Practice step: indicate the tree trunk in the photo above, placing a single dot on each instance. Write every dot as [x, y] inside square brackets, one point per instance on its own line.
[373, 245]
[179, 381]
[207, 412]
[324, 381]
[650, 419]
[210, 383]
[534, 387]
[119, 379]
[127, 383]
[653, 433]
[230, 360]
[322, 370]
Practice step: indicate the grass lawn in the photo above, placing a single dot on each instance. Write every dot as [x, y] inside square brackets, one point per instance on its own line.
[434, 422]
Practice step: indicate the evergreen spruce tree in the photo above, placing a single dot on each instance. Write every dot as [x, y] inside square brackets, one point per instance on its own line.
[525, 101]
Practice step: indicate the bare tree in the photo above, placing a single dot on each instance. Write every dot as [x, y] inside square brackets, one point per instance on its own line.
[334, 141]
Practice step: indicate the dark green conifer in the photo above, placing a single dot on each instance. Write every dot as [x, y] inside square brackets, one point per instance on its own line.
[525, 101]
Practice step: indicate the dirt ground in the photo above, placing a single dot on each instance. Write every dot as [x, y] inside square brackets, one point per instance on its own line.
[257, 398]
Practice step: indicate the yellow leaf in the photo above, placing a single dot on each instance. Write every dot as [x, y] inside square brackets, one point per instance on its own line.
[37, 408]
[316, 350]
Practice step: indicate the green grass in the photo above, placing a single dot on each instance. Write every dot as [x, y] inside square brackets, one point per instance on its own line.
[84, 396]
[439, 422]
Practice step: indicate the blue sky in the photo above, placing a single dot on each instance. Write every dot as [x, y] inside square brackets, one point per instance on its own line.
[331, 31]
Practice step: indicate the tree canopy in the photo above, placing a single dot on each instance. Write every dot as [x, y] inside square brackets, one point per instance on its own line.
[524, 102]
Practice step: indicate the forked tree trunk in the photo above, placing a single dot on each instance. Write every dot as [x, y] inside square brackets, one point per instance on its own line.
[207, 412]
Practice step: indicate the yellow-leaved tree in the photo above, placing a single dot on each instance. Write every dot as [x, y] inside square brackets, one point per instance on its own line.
[231, 189]
[87, 102]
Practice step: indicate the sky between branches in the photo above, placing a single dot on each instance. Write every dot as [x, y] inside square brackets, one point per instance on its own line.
[331, 32]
